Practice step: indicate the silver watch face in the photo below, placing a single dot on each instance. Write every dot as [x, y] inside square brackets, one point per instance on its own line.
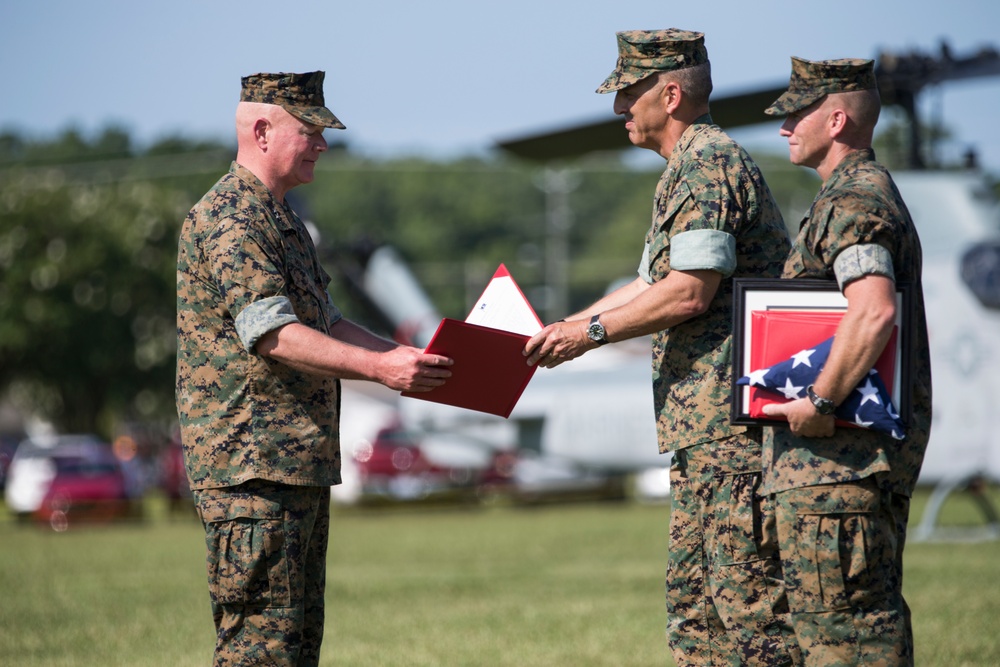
[824, 408]
[596, 331]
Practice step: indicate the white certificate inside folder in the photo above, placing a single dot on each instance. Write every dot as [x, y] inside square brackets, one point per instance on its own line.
[503, 306]
[490, 371]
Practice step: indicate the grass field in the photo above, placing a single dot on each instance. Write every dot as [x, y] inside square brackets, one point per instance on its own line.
[560, 585]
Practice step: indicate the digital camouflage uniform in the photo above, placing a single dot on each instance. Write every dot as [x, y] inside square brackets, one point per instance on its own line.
[843, 501]
[712, 210]
[261, 440]
[724, 587]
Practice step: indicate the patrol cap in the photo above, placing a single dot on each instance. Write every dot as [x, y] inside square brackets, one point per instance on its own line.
[299, 94]
[812, 80]
[642, 53]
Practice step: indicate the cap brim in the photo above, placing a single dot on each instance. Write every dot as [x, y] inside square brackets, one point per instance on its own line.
[620, 79]
[792, 101]
[317, 116]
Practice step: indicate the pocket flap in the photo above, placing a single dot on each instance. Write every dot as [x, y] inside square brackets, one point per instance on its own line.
[238, 506]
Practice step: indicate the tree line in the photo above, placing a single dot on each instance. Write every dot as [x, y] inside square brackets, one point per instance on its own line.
[88, 243]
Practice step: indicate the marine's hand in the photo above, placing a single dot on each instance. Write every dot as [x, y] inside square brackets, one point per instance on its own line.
[803, 418]
[558, 342]
[409, 369]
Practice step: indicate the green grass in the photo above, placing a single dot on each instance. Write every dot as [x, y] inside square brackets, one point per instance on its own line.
[572, 585]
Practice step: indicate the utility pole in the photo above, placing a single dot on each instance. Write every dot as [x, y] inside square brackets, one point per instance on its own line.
[557, 184]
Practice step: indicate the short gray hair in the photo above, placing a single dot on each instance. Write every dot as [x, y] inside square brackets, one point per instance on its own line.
[695, 82]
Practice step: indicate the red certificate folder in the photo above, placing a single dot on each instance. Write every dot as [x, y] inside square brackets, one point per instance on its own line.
[490, 373]
[777, 335]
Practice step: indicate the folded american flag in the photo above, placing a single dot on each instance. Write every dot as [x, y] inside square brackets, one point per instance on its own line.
[869, 405]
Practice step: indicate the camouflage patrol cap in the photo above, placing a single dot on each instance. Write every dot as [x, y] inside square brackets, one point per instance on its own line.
[812, 80]
[642, 53]
[299, 94]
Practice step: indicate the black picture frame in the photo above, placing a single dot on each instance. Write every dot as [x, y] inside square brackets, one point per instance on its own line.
[806, 295]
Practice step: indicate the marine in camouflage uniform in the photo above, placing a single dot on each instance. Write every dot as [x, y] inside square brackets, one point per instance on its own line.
[843, 501]
[714, 213]
[261, 436]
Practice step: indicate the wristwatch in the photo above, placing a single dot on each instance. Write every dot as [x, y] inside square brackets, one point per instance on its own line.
[596, 332]
[824, 406]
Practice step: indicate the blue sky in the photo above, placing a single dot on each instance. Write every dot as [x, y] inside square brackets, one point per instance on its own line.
[440, 77]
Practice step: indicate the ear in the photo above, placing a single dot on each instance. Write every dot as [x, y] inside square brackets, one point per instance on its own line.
[672, 95]
[837, 122]
[261, 127]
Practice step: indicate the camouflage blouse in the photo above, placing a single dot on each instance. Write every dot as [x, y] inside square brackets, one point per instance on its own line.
[243, 415]
[858, 204]
[710, 183]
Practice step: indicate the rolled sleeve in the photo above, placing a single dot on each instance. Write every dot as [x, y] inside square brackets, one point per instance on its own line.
[702, 249]
[862, 259]
[644, 266]
[263, 316]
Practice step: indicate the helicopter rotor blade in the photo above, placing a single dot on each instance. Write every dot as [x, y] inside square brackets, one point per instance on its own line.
[901, 77]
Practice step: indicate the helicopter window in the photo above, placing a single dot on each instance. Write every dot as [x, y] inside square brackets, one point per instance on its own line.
[981, 272]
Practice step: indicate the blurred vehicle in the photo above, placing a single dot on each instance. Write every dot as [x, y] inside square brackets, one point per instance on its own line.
[67, 479]
[394, 467]
[173, 480]
[8, 445]
[538, 479]
[403, 465]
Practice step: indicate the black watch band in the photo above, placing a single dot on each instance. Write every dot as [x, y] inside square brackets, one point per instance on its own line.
[824, 406]
[596, 331]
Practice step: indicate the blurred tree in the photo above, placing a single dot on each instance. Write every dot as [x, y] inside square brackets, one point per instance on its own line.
[892, 142]
[69, 146]
[446, 219]
[456, 221]
[87, 314]
[87, 328]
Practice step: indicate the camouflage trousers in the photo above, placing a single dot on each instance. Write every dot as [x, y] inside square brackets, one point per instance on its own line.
[841, 549]
[267, 548]
[725, 595]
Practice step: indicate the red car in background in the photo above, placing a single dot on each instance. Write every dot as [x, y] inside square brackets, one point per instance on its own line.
[65, 480]
[393, 467]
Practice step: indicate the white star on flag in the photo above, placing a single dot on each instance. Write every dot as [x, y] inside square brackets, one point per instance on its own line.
[869, 392]
[870, 406]
[858, 421]
[802, 358]
[789, 390]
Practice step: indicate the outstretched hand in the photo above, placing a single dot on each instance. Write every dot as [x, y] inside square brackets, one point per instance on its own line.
[803, 418]
[557, 343]
[410, 369]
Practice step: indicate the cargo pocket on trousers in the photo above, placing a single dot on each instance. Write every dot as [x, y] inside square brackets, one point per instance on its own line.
[746, 522]
[839, 550]
[246, 551]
